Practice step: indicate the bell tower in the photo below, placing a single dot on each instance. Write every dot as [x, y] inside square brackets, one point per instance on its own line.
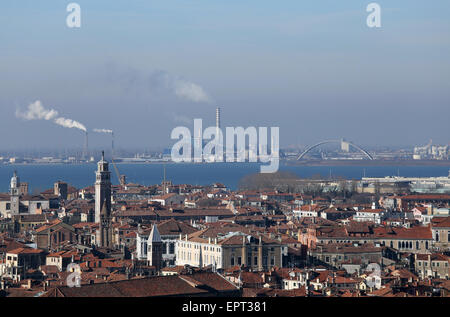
[105, 234]
[15, 194]
[102, 188]
[154, 249]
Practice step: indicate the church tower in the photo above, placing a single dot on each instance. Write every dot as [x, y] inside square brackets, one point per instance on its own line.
[105, 229]
[15, 194]
[154, 249]
[102, 188]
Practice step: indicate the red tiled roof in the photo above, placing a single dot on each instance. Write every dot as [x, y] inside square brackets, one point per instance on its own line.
[26, 251]
[173, 285]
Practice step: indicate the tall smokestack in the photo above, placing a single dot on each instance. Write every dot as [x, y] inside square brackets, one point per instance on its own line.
[112, 144]
[218, 117]
[86, 146]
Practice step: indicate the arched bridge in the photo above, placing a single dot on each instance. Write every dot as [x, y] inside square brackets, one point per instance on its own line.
[344, 146]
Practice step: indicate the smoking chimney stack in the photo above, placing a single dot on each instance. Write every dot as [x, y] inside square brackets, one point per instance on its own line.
[112, 144]
[218, 118]
[86, 146]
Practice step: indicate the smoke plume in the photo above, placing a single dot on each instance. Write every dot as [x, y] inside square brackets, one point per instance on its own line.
[103, 131]
[36, 111]
[69, 123]
[190, 91]
[140, 81]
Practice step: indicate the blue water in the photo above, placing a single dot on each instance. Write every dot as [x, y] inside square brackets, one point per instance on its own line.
[42, 177]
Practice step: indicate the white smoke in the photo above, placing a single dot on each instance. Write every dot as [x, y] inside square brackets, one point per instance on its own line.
[103, 131]
[69, 123]
[181, 118]
[36, 111]
[142, 82]
[190, 91]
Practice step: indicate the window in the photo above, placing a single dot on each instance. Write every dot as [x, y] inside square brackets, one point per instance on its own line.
[232, 261]
[256, 260]
[171, 248]
[239, 260]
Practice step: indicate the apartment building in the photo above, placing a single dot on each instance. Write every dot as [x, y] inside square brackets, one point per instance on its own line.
[225, 250]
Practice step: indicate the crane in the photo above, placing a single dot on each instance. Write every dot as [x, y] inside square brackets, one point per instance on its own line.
[120, 177]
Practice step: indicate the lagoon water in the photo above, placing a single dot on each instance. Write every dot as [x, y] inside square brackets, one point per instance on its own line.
[42, 177]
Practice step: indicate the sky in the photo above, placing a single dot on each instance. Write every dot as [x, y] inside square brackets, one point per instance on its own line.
[141, 68]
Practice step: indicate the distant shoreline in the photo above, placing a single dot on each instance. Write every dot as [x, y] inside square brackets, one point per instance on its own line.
[369, 163]
[284, 162]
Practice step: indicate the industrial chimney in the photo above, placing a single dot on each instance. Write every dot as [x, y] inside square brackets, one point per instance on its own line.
[86, 146]
[218, 118]
[112, 144]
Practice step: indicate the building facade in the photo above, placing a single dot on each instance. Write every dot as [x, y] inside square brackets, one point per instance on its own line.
[257, 253]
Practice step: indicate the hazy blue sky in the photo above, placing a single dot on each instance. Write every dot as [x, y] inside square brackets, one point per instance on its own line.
[313, 68]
